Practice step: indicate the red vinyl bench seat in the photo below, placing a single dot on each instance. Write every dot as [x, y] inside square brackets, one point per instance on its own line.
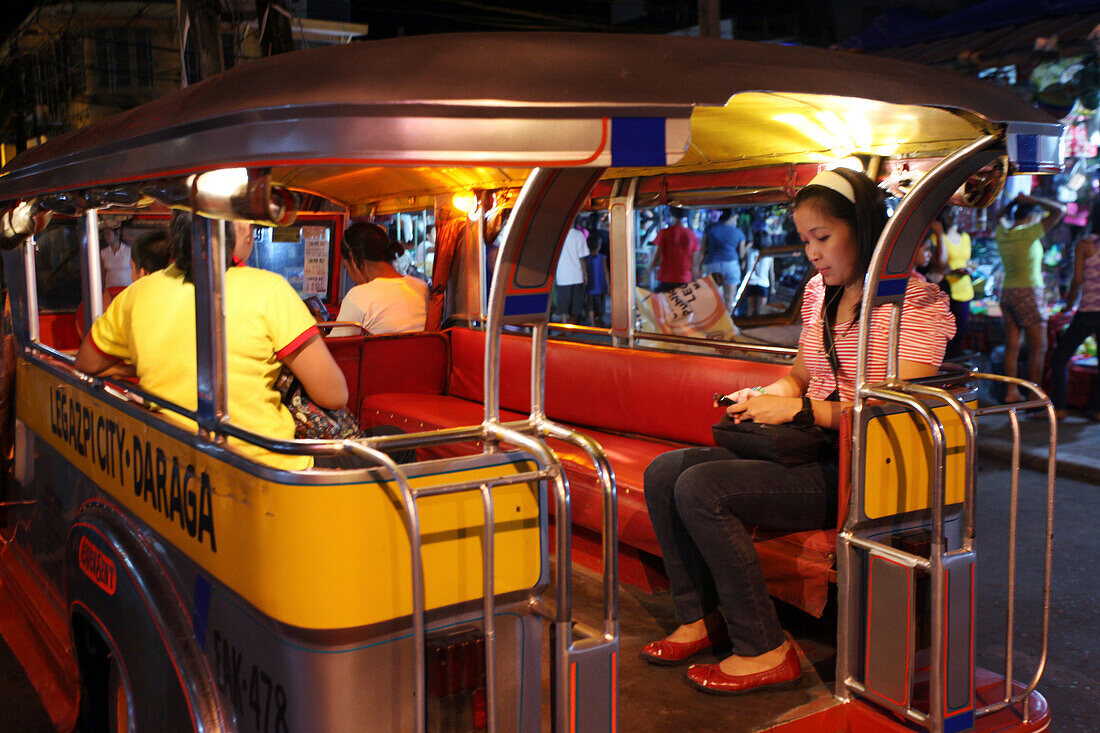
[434, 380]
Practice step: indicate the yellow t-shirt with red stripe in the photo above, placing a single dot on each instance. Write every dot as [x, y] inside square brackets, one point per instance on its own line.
[152, 325]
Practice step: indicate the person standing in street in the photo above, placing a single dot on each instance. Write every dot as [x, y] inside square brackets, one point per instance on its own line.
[1086, 320]
[721, 253]
[570, 278]
[676, 257]
[952, 256]
[1022, 299]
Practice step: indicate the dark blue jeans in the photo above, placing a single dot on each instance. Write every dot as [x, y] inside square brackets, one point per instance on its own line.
[1083, 323]
[700, 501]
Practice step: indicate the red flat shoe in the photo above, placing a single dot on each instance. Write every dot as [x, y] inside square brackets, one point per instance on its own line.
[710, 678]
[669, 653]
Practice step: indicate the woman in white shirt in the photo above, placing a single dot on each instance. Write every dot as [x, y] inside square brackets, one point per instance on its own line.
[114, 257]
[383, 300]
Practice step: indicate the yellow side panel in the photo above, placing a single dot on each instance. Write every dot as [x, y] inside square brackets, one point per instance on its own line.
[312, 556]
[897, 463]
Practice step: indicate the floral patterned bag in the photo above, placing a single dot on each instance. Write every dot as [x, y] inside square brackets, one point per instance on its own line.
[311, 420]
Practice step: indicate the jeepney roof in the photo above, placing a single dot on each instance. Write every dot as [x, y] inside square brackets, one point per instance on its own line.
[478, 110]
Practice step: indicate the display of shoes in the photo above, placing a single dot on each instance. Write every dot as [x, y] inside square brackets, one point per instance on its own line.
[711, 679]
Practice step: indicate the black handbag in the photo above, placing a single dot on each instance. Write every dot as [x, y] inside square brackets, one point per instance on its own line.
[787, 444]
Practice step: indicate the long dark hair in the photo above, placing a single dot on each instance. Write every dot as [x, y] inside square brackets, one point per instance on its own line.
[364, 241]
[866, 216]
[179, 235]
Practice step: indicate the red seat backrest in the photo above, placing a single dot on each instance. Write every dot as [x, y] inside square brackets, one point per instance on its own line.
[468, 368]
[348, 353]
[658, 394]
[404, 362]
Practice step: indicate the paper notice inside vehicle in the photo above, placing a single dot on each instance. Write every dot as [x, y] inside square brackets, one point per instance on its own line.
[316, 239]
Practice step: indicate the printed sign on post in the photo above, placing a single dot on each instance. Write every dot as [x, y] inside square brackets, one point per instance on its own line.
[316, 240]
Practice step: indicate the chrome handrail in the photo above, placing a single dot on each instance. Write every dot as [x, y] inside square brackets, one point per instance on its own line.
[1040, 400]
[605, 474]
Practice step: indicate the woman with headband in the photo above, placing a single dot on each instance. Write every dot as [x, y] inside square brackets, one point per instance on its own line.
[702, 499]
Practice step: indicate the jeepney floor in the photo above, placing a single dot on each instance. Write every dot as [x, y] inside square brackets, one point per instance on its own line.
[653, 698]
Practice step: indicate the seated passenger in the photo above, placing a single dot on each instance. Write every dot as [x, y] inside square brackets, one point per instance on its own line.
[702, 499]
[152, 325]
[383, 300]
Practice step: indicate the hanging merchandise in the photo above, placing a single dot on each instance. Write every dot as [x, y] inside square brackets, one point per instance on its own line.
[1081, 136]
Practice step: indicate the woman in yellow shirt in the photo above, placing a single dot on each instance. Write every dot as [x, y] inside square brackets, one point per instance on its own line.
[951, 260]
[151, 325]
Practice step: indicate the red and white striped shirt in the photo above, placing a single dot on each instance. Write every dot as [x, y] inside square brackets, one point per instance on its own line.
[926, 326]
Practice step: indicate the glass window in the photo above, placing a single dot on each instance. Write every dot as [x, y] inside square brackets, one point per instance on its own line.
[57, 262]
[302, 253]
[760, 306]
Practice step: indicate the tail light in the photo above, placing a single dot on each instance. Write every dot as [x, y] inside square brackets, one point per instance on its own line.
[456, 681]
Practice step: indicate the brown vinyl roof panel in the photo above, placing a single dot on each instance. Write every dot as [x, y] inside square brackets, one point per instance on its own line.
[510, 100]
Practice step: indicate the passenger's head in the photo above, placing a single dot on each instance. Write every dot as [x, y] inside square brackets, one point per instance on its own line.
[676, 214]
[110, 235]
[725, 215]
[179, 237]
[151, 252]
[839, 216]
[924, 255]
[368, 250]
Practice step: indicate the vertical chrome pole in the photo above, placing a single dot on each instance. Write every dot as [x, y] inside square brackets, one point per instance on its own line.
[892, 343]
[538, 371]
[208, 262]
[1013, 507]
[488, 567]
[30, 268]
[479, 259]
[937, 553]
[1048, 554]
[93, 272]
[621, 223]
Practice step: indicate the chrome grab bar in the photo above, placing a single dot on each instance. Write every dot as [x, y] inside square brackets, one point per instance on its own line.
[342, 324]
[1040, 400]
[605, 474]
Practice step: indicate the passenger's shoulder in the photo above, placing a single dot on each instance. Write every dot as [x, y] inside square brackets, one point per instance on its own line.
[151, 284]
[815, 288]
[256, 277]
[922, 293]
[812, 296]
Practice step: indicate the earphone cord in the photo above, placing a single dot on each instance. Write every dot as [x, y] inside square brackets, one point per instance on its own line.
[830, 347]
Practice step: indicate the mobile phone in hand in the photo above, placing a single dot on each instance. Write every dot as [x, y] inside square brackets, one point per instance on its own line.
[723, 399]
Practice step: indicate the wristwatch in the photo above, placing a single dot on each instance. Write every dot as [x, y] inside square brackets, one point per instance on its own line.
[804, 418]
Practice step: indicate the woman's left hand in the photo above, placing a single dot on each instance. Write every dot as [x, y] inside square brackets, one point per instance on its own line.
[766, 409]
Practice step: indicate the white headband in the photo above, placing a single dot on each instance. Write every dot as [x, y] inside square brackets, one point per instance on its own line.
[836, 182]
